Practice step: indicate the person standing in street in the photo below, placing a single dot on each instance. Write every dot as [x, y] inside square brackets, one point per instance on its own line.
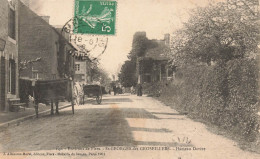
[114, 89]
[132, 90]
[139, 89]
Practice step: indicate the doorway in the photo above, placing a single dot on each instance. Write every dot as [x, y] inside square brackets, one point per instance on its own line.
[2, 82]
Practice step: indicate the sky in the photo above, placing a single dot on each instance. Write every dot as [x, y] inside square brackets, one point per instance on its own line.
[155, 17]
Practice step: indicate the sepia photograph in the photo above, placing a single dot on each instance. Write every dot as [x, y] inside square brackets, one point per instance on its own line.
[129, 79]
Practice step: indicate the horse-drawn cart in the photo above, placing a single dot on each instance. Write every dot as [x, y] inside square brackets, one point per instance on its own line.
[47, 92]
[93, 91]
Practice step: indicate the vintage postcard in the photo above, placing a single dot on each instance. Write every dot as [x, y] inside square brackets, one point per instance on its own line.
[129, 79]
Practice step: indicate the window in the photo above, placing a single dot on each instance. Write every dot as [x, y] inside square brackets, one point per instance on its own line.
[147, 78]
[77, 67]
[57, 46]
[12, 77]
[53, 76]
[35, 74]
[163, 69]
[2, 82]
[11, 23]
[170, 72]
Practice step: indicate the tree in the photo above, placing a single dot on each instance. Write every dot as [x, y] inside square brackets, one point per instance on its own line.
[219, 32]
[98, 74]
[127, 75]
[139, 44]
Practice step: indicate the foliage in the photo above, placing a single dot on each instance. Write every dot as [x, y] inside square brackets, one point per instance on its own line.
[139, 45]
[224, 94]
[99, 74]
[154, 89]
[219, 32]
[24, 64]
[127, 75]
[243, 96]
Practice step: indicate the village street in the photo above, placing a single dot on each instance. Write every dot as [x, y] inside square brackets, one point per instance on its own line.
[122, 120]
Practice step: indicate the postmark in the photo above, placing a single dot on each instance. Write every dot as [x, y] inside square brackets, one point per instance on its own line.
[87, 46]
[95, 17]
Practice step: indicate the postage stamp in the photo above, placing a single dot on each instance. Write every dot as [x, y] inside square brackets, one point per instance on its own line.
[95, 17]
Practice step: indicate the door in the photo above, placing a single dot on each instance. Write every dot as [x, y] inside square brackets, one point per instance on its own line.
[2, 82]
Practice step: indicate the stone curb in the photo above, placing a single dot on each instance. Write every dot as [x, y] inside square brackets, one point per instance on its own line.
[17, 121]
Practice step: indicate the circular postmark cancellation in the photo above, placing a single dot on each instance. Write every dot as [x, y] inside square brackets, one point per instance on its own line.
[86, 47]
[91, 18]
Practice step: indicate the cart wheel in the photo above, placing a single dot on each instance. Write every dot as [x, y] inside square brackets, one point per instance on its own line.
[99, 99]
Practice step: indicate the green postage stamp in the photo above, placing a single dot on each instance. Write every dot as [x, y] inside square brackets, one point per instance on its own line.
[95, 17]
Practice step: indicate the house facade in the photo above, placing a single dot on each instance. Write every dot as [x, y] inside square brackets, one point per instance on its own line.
[153, 66]
[29, 48]
[80, 67]
[84, 71]
[43, 51]
[9, 38]
[80, 71]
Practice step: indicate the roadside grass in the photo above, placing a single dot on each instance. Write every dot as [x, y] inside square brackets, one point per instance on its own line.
[241, 143]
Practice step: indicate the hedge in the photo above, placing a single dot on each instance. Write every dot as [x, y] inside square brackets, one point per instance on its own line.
[224, 94]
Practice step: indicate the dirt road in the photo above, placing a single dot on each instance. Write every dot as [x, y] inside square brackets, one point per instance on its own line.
[139, 127]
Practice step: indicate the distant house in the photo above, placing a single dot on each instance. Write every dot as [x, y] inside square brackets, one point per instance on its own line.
[80, 71]
[81, 68]
[153, 66]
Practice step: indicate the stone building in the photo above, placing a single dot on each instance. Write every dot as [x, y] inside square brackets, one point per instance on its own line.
[9, 17]
[153, 65]
[81, 67]
[43, 51]
[80, 71]
[29, 48]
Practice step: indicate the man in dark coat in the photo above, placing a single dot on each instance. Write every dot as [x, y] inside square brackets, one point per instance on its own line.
[139, 89]
[114, 90]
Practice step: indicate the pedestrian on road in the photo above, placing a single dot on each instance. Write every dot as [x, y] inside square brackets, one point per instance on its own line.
[132, 90]
[139, 89]
[123, 90]
[114, 90]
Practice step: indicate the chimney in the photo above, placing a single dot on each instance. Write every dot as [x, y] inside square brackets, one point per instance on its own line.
[46, 18]
[167, 39]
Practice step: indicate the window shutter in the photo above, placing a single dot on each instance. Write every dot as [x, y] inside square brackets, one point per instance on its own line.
[11, 29]
[13, 80]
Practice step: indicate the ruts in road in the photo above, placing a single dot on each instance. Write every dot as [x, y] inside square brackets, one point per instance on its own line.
[126, 121]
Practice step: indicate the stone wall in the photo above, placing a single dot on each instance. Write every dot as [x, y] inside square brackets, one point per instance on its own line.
[37, 40]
